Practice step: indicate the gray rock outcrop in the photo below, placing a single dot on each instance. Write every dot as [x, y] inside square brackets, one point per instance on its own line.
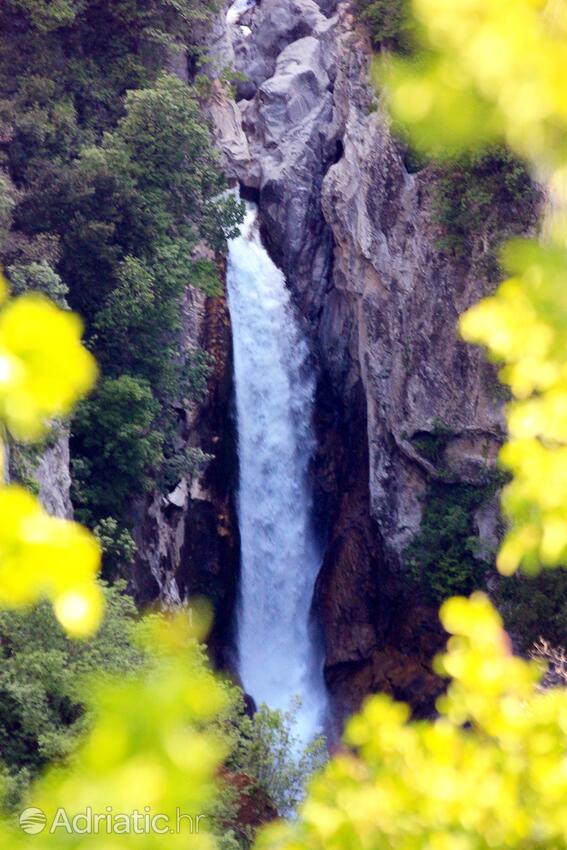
[54, 477]
[187, 539]
[45, 471]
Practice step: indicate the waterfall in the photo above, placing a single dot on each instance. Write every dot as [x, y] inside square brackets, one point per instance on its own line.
[280, 556]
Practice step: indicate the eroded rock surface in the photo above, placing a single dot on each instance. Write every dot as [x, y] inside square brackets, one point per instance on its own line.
[45, 471]
[353, 231]
[187, 539]
[54, 478]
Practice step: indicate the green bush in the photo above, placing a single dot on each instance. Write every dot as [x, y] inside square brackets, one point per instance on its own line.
[118, 547]
[481, 199]
[37, 277]
[22, 466]
[183, 464]
[269, 749]
[43, 677]
[432, 444]
[389, 22]
[443, 558]
[121, 448]
[535, 606]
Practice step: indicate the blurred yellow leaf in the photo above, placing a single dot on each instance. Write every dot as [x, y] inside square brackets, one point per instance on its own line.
[150, 760]
[44, 369]
[42, 556]
[489, 771]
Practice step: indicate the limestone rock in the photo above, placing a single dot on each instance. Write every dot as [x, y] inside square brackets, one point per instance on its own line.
[187, 540]
[54, 477]
[230, 138]
[353, 231]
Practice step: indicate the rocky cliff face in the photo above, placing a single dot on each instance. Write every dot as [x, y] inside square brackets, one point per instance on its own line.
[45, 471]
[353, 232]
[187, 540]
[54, 477]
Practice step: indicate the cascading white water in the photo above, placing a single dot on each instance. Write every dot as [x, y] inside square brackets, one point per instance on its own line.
[280, 556]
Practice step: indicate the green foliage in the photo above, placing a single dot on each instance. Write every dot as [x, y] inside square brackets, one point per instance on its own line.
[535, 606]
[37, 277]
[268, 748]
[443, 558]
[431, 444]
[389, 22]
[196, 374]
[479, 200]
[49, 684]
[117, 434]
[118, 547]
[43, 677]
[156, 174]
[7, 204]
[113, 202]
[23, 460]
[149, 742]
[183, 464]
[46, 16]
[486, 771]
[228, 77]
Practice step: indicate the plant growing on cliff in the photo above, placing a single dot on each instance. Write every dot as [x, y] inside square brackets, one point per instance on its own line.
[389, 22]
[116, 544]
[161, 168]
[269, 749]
[432, 444]
[116, 428]
[535, 607]
[480, 199]
[444, 558]
[111, 183]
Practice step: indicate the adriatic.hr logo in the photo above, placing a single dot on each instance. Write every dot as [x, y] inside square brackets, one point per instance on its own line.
[33, 821]
[137, 822]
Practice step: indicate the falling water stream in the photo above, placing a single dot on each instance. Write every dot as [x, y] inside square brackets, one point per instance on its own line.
[280, 555]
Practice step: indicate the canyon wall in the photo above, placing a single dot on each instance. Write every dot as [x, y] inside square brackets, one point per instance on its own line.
[187, 540]
[352, 229]
[45, 470]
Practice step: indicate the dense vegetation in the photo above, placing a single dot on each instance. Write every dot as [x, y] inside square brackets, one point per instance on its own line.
[389, 22]
[109, 202]
[48, 683]
[444, 557]
[534, 607]
[481, 199]
[43, 678]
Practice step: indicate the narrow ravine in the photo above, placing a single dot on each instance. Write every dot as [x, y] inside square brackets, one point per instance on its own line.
[274, 387]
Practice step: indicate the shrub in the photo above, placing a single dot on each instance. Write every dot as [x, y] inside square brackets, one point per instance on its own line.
[443, 558]
[268, 748]
[116, 432]
[535, 606]
[42, 680]
[389, 22]
[480, 199]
